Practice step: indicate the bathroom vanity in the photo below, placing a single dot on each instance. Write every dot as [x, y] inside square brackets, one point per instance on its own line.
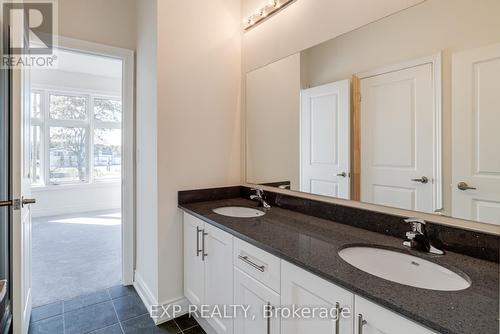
[290, 256]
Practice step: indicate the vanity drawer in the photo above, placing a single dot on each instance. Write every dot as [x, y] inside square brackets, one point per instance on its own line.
[257, 263]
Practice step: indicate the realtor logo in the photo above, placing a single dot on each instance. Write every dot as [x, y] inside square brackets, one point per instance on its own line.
[30, 32]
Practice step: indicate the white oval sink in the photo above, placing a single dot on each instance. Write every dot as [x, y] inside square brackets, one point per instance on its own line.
[239, 212]
[404, 269]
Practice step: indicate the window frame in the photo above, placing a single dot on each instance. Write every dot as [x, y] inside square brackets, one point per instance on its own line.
[90, 124]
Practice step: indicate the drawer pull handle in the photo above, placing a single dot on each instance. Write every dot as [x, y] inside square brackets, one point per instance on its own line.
[245, 259]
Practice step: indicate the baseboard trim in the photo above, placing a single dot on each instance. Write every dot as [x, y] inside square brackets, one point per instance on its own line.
[149, 301]
[67, 210]
[143, 291]
[205, 325]
[182, 302]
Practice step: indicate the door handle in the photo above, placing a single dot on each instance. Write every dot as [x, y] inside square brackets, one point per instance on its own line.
[271, 309]
[3, 289]
[343, 174]
[464, 186]
[18, 203]
[337, 321]
[6, 203]
[361, 323]
[27, 201]
[203, 254]
[423, 180]
[198, 250]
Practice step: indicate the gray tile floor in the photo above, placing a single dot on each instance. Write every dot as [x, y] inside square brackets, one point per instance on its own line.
[115, 310]
[75, 255]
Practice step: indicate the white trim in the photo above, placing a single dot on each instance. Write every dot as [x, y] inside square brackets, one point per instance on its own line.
[143, 291]
[183, 302]
[149, 300]
[437, 76]
[128, 139]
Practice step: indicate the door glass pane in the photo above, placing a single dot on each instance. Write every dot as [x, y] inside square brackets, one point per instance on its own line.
[108, 110]
[107, 154]
[36, 105]
[36, 153]
[68, 107]
[68, 156]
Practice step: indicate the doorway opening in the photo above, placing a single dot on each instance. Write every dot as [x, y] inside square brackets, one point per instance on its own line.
[76, 116]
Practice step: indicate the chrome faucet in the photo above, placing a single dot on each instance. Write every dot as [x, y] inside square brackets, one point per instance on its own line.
[417, 238]
[260, 197]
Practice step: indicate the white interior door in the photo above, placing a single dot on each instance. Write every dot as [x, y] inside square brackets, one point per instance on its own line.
[476, 135]
[325, 140]
[21, 218]
[397, 138]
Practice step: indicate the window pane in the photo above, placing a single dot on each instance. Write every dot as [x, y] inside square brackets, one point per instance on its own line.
[36, 153]
[107, 154]
[68, 107]
[36, 105]
[68, 157]
[108, 110]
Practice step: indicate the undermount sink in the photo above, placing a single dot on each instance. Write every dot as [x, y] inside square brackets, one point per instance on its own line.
[239, 212]
[404, 269]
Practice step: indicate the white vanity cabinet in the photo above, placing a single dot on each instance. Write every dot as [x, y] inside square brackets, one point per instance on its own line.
[249, 291]
[257, 276]
[208, 268]
[194, 266]
[373, 319]
[220, 269]
[301, 288]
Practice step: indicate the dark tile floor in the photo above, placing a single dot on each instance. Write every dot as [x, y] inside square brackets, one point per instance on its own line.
[116, 310]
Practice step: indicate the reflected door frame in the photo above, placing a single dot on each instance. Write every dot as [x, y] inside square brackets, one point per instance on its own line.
[436, 62]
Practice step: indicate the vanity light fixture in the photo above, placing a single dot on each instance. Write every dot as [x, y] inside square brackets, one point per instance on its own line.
[263, 13]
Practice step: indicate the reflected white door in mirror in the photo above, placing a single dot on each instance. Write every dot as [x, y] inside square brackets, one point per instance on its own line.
[476, 124]
[398, 118]
[325, 140]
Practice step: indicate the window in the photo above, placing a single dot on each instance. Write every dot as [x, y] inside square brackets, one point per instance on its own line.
[75, 138]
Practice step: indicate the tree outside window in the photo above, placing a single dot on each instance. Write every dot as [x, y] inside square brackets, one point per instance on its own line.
[73, 133]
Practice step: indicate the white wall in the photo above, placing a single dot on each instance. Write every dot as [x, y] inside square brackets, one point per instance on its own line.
[308, 22]
[110, 22]
[71, 199]
[146, 149]
[199, 123]
[273, 108]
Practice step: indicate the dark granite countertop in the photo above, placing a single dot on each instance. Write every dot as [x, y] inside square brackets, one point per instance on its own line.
[313, 244]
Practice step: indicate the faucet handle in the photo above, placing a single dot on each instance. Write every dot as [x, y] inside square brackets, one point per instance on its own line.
[259, 192]
[415, 220]
[417, 224]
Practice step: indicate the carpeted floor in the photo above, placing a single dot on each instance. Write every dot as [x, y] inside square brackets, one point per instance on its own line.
[75, 255]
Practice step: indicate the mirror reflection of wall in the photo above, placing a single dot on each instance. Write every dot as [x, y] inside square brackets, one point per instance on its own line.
[402, 112]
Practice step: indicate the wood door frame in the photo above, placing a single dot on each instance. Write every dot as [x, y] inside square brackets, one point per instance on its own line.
[437, 77]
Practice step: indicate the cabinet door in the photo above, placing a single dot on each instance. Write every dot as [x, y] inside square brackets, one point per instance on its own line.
[194, 274]
[373, 319]
[250, 292]
[303, 289]
[218, 247]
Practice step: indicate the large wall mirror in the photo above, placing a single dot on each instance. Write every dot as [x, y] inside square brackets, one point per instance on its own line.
[403, 112]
